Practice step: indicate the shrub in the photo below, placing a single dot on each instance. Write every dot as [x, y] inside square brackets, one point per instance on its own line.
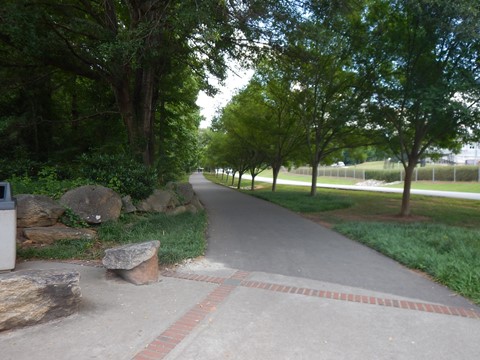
[46, 182]
[19, 167]
[120, 173]
[383, 175]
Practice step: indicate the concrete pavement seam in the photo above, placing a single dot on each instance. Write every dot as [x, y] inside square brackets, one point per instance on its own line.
[334, 295]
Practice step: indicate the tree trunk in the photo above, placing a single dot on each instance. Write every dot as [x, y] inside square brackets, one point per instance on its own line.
[137, 98]
[407, 185]
[313, 189]
[239, 180]
[252, 187]
[276, 171]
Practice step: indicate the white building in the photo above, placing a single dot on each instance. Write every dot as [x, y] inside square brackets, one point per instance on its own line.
[468, 155]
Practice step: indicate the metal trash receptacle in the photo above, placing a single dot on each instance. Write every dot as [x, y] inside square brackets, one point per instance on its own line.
[8, 227]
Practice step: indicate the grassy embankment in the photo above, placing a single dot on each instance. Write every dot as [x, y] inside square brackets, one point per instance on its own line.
[441, 238]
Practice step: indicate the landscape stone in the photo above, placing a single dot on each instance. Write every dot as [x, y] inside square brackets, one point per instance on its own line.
[30, 297]
[159, 201]
[192, 209]
[94, 204]
[127, 205]
[48, 235]
[143, 274]
[136, 263]
[185, 192]
[196, 202]
[37, 210]
[178, 210]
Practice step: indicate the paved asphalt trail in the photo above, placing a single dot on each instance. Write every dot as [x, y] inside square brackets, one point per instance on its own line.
[254, 235]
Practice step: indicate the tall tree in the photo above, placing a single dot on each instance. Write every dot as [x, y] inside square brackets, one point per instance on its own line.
[320, 50]
[282, 133]
[424, 58]
[130, 45]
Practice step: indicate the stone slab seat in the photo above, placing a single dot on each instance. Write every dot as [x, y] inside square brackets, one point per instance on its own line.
[136, 263]
[30, 297]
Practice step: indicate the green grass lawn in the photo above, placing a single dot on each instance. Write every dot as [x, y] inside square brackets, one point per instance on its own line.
[441, 237]
[181, 237]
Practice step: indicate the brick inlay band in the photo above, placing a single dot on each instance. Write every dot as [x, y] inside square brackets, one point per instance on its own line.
[170, 338]
[362, 299]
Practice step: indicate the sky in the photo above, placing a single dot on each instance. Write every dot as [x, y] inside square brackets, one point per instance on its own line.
[237, 78]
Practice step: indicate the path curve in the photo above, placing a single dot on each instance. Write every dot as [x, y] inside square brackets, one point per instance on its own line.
[254, 235]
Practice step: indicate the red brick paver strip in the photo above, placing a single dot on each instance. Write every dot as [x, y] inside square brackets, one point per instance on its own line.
[369, 300]
[170, 338]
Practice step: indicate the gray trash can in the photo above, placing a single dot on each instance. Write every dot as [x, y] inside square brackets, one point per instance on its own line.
[8, 227]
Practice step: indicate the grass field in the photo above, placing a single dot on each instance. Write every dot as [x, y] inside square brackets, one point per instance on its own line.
[441, 237]
[181, 237]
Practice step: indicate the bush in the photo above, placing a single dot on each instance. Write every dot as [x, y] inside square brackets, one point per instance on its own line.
[46, 182]
[120, 173]
[19, 167]
[383, 175]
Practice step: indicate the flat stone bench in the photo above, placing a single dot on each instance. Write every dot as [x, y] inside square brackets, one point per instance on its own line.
[135, 263]
[29, 297]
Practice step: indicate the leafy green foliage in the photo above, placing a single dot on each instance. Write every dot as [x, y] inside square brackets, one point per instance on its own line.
[71, 219]
[450, 254]
[119, 172]
[421, 60]
[45, 182]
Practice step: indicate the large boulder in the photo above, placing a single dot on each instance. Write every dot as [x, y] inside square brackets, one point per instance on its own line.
[196, 203]
[184, 192]
[30, 297]
[136, 263]
[37, 210]
[159, 201]
[94, 204]
[48, 235]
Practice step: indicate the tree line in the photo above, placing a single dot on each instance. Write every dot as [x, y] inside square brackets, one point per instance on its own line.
[122, 76]
[398, 74]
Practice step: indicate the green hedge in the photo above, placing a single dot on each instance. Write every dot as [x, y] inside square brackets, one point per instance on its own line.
[447, 173]
[120, 173]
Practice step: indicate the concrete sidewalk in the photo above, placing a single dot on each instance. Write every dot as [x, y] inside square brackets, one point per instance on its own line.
[206, 311]
[272, 286]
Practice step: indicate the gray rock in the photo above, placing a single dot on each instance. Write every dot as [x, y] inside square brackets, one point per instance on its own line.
[94, 204]
[178, 210]
[159, 201]
[37, 210]
[35, 296]
[192, 209]
[48, 235]
[136, 263]
[184, 192]
[127, 205]
[196, 202]
[129, 256]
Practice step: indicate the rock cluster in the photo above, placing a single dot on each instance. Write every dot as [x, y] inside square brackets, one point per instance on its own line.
[38, 221]
[38, 215]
